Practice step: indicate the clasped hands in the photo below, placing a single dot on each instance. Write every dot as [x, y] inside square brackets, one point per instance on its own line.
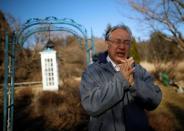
[127, 69]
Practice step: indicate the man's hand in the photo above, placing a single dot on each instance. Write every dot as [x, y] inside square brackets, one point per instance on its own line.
[127, 70]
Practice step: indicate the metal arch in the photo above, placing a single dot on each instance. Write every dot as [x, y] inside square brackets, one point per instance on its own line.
[43, 29]
[55, 21]
[51, 21]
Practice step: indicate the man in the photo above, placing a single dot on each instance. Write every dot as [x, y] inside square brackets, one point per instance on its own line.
[115, 91]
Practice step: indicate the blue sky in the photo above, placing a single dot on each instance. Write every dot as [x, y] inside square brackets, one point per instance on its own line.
[95, 14]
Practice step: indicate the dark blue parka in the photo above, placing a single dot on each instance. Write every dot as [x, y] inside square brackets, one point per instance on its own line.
[111, 103]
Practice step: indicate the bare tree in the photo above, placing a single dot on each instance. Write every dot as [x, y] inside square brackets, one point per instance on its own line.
[163, 15]
[14, 23]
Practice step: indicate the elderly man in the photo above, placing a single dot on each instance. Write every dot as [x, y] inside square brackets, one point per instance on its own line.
[115, 91]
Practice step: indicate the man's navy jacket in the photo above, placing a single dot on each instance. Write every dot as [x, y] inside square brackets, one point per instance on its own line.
[111, 103]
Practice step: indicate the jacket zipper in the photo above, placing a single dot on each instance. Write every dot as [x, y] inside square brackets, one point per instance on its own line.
[113, 120]
[124, 114]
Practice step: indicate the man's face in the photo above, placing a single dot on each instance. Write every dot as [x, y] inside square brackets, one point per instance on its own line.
[118, 45]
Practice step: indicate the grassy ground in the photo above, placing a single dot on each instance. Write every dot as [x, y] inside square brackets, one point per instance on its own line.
[169, 116]
[36, 110]
[53, 111]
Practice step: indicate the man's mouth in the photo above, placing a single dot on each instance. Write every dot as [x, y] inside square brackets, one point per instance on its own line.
[120, 54]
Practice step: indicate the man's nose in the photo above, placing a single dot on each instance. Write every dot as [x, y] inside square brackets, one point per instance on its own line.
[122, 46]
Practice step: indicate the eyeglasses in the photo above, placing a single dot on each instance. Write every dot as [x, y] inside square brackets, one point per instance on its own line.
[119, 42]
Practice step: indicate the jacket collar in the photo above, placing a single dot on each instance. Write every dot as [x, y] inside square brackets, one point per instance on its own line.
[102, 57]
[102, 60]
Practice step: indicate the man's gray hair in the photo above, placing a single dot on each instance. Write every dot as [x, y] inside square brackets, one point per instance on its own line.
[119, 26]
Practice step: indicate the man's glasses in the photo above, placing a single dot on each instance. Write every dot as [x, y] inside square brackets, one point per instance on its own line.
[119, 42]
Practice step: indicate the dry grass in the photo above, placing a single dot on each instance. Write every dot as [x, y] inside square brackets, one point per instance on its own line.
[37, 110]
[45, 110]
[180, 66]
[1, 109]
[169, 116]
[148, 66]
[180, 69]
[100, 45]
[177, 69]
